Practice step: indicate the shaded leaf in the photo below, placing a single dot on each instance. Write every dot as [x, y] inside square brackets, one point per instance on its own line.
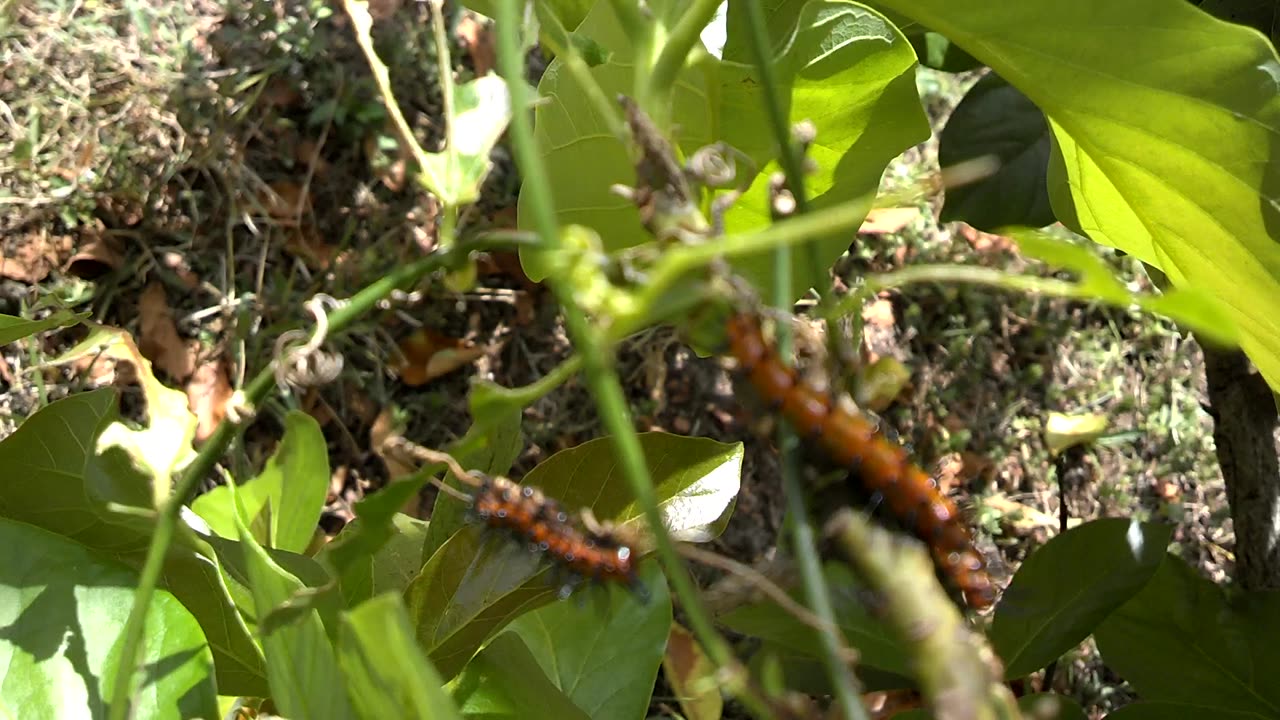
[62, 608]
[504, 681]
[1166, 125]
[995, 120]
[1182, 641]
[604, 656]
[1066, 588]
[381, 549]
[1178, 711]
[387, 676]
[13, 328]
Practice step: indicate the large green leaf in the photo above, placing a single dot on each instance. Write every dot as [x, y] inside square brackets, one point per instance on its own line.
[301, 664]
[1181, 640]
[603, 656]
[843, 66]
[387, 676]
[291, 490]
[1165, 121]
[57, 482]
[61, 611]
[1179, 711]
[1070, 585]
[477, 581]
[505, 681]
[1038, 705]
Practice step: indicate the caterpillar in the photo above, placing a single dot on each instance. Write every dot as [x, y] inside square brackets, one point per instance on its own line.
[852, 441]
[583, 548]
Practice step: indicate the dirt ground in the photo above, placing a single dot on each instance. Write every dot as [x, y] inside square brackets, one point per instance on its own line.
[194, 172]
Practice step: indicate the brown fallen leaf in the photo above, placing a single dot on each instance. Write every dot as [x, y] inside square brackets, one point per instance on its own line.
[285, 200]
[984, 242]
[691, 674]
[30, 258]
[306, 243]
[208, 395]
[883, 221]
[428, 354]
[178, 265]
[879, 313]
[158, 337]
[477, 37]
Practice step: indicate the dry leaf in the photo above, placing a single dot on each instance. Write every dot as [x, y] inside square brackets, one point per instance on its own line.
[158, 337]
[1022, 519]
[477, 37]
[306, 243]
[428, 354]
[286, 200]
[882, 221]
[879, 313]
[307, 153]
[178, 265]
[208, 394]
[32, 257]
[984, 242]
[691, 675]
[381, 434]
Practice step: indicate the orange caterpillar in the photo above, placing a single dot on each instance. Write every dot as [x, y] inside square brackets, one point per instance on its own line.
[589, 552]
[853, 442]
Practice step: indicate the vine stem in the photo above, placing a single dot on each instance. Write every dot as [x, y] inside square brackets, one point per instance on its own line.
[168, 514]
[803, 537]
[599, 375]
[687, 33]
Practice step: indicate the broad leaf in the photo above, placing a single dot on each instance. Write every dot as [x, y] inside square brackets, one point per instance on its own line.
[603, 656]
[1038, 705]
[1066, 588]
[504, 681]
[1182, 641]
[1167, 126]
[998, 123]
[62, 608]
[841, 65]
[291, 490]
[15, 328]
[59, 484]
[387, 676]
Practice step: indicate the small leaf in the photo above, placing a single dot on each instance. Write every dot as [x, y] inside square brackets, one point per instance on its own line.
[62, 609]
[1066, 588]
[995, 120]
[13, 328]
[692, 676]
[381, 549]
[387, 676]
[1181, 640]
[504, 681]
[301, 667]
[605, 657]
[1064, 431]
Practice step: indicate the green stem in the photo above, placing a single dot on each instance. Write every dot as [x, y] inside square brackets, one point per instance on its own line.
[168, 516]
[803, 538]
[600, 377]
[684, 37]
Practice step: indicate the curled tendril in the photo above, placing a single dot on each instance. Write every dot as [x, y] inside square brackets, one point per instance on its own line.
[299, 360]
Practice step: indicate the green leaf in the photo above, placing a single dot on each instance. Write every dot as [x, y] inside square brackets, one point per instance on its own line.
[291, 490]
[604, 656]
[1066, 588]
[1182, 641]
[505, 681]
[877, 647]
[387, 676]
[1167, 125]
[476, 582]
[301, 667]
[1047, 704]
[13, 328]
[841, 66]
[62, 608]
[1178, 711]
[997, 123]
[64, 488]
